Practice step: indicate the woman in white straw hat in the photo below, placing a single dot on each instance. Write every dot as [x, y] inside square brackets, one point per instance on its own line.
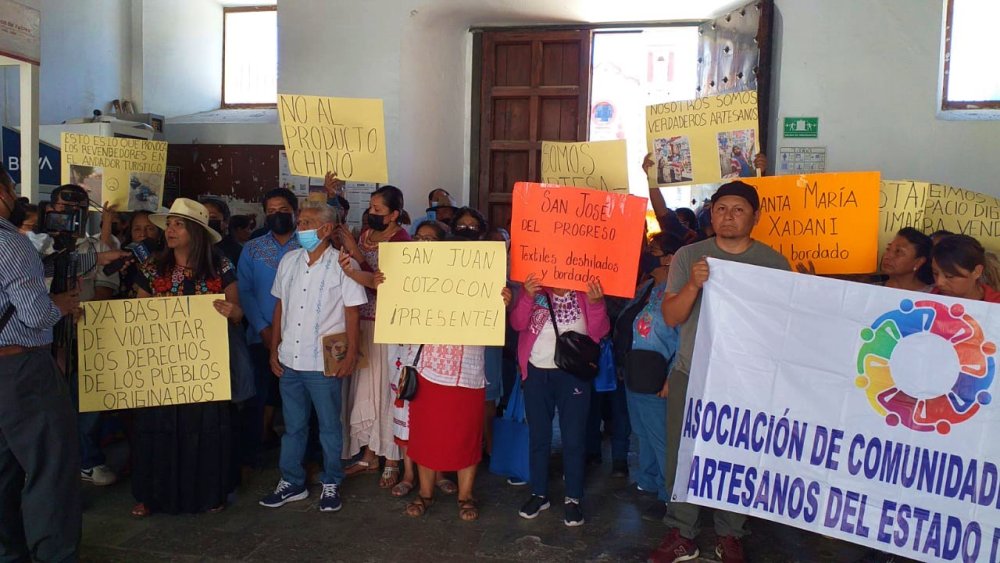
[182, 454]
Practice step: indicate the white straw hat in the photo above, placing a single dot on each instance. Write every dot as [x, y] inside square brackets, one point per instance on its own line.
[187, 209]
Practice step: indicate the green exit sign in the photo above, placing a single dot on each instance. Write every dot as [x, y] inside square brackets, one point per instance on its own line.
[801, 127]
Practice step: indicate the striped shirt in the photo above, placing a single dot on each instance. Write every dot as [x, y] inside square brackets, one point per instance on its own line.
[22, 283]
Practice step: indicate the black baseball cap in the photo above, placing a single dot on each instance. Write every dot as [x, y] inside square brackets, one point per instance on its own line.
[738, 189]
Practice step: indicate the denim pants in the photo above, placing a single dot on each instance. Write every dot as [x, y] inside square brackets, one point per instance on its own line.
[300, 392]
[615, 404]
[88, 424]
[649, 422]
[545, 391]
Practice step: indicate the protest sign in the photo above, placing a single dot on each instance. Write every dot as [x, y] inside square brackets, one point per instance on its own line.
[704, 140]
[830, 220]
[569, 236]
[442, 293]
[850, 410]
[599, 165]
[125, 172]
[345, 136]
[152, 352]
[930, 207]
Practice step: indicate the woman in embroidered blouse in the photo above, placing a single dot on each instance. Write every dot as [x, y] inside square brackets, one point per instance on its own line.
[368, 395]
[182, 454]
[547, 388]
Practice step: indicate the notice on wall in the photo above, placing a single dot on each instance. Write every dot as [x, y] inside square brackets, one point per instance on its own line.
[930, 207]
[801, 160]
[599, 165]
[20, 32]
[828, 220]
[136, 353]
[701, 141]
[125, 172]
[442, 293]
[298, 185]
[345, 136]
[568, 236]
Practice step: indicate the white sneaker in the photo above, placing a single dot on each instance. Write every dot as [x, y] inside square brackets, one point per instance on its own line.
[100, 475]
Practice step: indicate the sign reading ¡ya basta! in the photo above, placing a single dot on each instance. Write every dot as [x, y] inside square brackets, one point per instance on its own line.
[850, 410]
[152, 352]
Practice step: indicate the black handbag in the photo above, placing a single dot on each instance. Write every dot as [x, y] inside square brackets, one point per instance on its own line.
[576, 353]
[645, 371]
[406, 386]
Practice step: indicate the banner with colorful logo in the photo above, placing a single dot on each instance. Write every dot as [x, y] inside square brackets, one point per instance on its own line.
[853, 411]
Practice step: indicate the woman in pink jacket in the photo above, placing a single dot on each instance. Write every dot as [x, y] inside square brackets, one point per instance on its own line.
[548, 388]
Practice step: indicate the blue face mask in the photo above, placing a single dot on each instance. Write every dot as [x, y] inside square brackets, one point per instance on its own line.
[308, 240]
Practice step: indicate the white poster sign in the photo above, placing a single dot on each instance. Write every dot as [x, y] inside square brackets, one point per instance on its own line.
[20, 32]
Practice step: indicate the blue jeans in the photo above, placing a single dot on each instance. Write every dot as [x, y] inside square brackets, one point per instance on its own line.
[300, 391]
[615, 402]
[649, 422]
[88, 424]
[546, 390]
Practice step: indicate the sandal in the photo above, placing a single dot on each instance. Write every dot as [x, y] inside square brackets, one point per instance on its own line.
[468, 511]
[361, 467]
[140, 510]
[419, 507]
[402, 489]
[390, 476]
[447, 486]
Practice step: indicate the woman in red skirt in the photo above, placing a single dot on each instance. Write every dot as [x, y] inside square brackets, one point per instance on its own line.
[446, 419]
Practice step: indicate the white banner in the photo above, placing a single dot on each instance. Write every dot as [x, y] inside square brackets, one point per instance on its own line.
[853, 411]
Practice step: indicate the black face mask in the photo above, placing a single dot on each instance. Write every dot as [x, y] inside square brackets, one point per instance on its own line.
[648, 262]
[215, 225]
[377, 222]
[467, 233]
[280, 223]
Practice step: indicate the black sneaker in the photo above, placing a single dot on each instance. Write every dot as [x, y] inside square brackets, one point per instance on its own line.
[655, 512]
[534, 505]
[619, 468]
[574, 514]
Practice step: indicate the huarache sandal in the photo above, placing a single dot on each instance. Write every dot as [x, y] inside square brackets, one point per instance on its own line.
[447, 486]
[361, 467]
[140, 510]
[402, 489]
[419, 507]
[390, 476]
[467, 510]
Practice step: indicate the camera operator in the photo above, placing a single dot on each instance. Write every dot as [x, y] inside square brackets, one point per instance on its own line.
[65, 220]
[39, 492]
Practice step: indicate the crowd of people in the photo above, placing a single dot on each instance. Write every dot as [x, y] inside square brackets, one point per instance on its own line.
[306, 276]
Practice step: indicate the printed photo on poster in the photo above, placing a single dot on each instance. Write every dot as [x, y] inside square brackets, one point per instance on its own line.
[90, 178]
[143, 191]
[737, 150]
[673, 160]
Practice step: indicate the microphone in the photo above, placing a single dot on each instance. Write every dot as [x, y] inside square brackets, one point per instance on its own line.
[140, 251]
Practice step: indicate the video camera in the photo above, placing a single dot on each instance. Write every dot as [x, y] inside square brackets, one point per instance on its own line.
[71, 222]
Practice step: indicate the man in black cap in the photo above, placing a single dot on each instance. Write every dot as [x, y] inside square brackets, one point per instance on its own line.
[735, 212]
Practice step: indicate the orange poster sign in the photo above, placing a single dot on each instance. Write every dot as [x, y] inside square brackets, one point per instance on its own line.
[828, 220]
[569, 236]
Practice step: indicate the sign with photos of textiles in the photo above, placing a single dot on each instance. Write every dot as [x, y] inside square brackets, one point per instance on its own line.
[125, 172]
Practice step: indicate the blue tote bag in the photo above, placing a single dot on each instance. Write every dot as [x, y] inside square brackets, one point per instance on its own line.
[510, 439]
[607, 375]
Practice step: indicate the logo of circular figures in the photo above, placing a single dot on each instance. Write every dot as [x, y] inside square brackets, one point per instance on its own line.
[914, 410]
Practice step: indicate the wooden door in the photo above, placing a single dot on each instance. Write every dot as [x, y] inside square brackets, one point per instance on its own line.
[734, 55]
[535, 86]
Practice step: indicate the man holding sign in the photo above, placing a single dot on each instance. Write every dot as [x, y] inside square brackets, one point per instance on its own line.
[316, 298]
[735, 211]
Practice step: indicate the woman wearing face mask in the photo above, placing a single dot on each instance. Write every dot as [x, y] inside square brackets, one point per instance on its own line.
[906, 263]
[182, 455]
[469, 224]
[963, 269]
[369, 396]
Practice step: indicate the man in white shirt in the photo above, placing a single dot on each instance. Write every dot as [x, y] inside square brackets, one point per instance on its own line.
[315, 299]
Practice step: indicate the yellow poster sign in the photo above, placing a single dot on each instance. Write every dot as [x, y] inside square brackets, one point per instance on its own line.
[930, 207]
[827, 220]
[345, 136]
[599, 165]
[125, 172]
[702, 141]
[136, 353]
[441, 293]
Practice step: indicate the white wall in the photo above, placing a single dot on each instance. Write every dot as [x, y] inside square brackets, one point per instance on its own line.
[869, 70]
[181, 55]
[86, 62]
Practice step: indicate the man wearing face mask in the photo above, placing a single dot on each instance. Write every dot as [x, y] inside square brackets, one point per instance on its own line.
[256, 271]
[316, 298]
[39, 455]
[218, 219]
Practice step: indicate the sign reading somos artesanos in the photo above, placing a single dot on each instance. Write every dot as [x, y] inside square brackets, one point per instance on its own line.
[854, 411]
